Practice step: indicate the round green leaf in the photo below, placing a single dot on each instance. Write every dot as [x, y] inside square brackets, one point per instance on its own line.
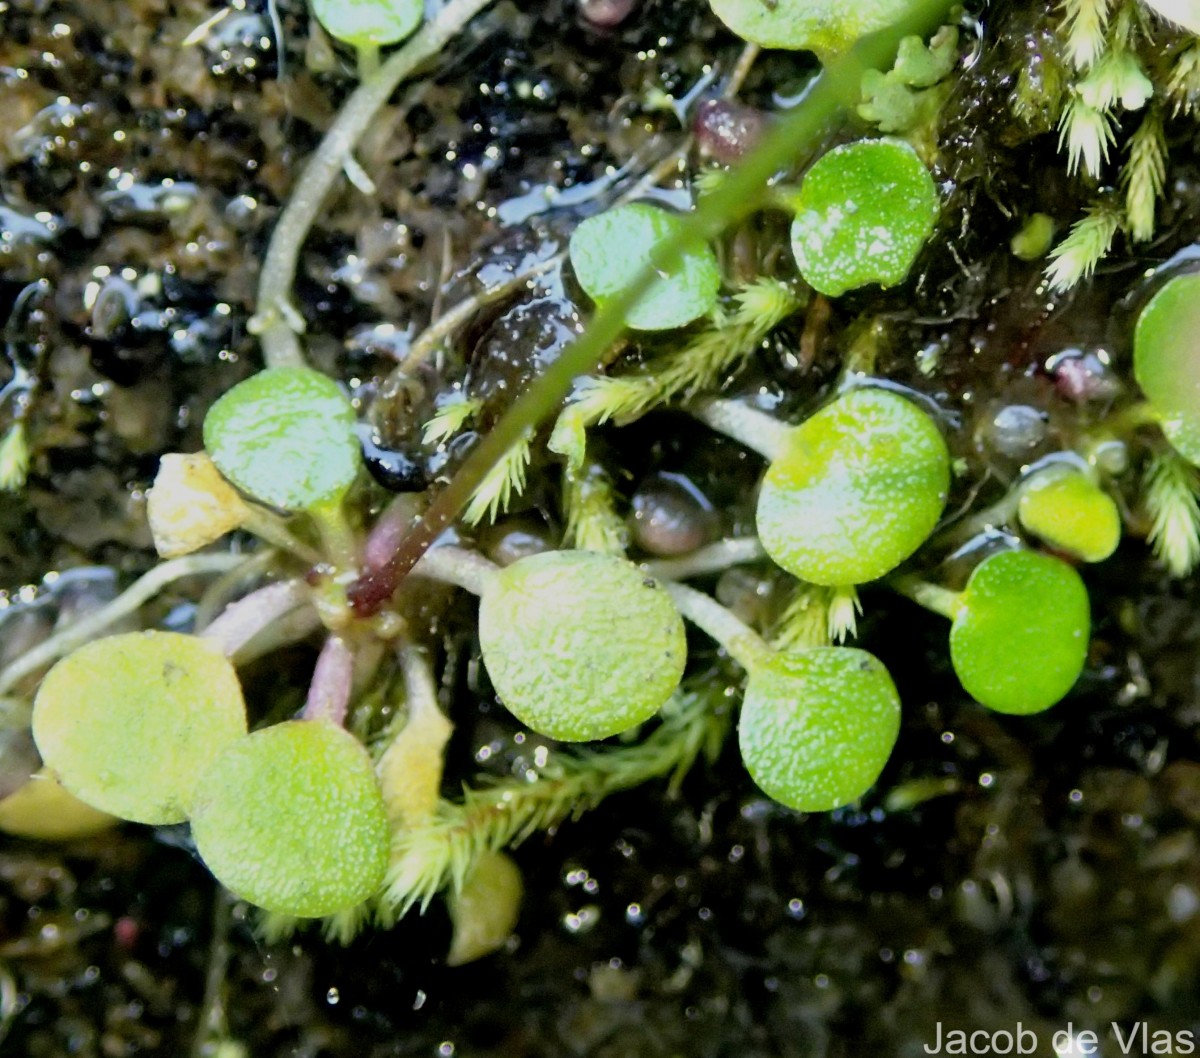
[291, 819]
[580, 645]
[1166, 361]
[1066, 509]
[129, 723]
[1020, 638]
[859, 489]
[824, 26]
[610, 249]
[817, 727]
[286, 437]
[369, 23]
[862, 215]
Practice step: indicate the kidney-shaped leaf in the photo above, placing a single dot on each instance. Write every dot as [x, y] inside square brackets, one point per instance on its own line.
[1166, 361]
[817, 727]
[824, 26]
[130, 722]
[610, 249]
[1020, 638]
[859, 488]
[580, 645]
[862, 215]
[286, 437]
[369, 23]
[291, 819]
[1071, 513]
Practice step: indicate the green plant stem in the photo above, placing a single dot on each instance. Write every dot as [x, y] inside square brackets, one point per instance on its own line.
[212, 1025]
[741, 70]
[675, 160]
[994, 517]
[839, 85]
[140, 591]
[277, 320]
[338, 539]
[742, 643]
[457, 566]
[714, 558]
[755, 429]
[931, 596]
[292, 627]
[268, 526]
[368, 61]
[420, 687]
[1127, 420]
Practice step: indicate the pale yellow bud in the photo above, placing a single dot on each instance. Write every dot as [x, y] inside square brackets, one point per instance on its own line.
[191, 505]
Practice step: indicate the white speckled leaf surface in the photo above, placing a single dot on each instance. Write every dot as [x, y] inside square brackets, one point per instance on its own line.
[817, 727]
[291, 819]
[858, 491]
[580, 645]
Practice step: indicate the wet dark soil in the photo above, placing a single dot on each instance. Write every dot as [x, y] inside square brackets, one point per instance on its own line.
[1055, 877]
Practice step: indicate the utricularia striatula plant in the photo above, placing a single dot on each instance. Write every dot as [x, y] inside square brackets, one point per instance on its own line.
[338, 810]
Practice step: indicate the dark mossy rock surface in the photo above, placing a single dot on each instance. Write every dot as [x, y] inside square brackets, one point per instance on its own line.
[1054, 877]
